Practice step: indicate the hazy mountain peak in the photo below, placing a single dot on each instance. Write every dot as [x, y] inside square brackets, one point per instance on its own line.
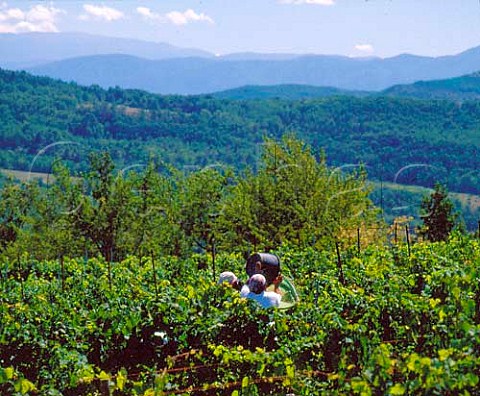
[162, 68]
[30, 49]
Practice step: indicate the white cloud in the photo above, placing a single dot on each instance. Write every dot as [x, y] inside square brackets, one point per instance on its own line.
[38, 18]
[365, 48]
[175, 17]
[14, 13]
[148, 14]
[182, 18]
[101, 12]
[40, 13]
[316, 2]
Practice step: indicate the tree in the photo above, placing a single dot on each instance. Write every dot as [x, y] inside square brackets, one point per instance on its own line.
[438, 215]
[155, 226]
[200, 200]
[104, 217]
[15, 204]
[296, 198]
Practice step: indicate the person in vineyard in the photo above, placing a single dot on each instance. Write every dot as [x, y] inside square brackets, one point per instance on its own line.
[228, 277]
[255, 289]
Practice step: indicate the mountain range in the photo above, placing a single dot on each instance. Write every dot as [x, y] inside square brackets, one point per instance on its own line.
[165, 69]
[458, 89]
[19, 51]
[285, 91]
[195, 75]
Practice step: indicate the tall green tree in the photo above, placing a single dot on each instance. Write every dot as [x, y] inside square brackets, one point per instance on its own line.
[438, 215]
[34, 216]
[200, 204]
[155, 227]
[296, 198]
[15, 207]
[106, 211]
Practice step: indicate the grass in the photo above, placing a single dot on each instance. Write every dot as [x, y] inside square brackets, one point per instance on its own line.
[24, 176]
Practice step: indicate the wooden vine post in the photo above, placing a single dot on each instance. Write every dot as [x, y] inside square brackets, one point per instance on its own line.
[407, 235]
[154, 274]
[341, 277]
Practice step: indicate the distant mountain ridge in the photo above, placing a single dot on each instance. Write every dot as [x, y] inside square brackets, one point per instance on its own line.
[287, 92]
[201, 75]
[458, 88]
[18, 51]
[165, 69]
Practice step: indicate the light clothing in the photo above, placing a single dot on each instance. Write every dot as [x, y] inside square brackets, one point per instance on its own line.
[227, 277]
[244, 291]
[266, 299]
[255, 290]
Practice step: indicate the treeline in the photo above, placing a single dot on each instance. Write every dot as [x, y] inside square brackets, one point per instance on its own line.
[397, 201]
[459, 88]
[387, 135]
[292, 198]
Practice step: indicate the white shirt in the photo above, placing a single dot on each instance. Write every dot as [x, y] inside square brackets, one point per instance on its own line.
[266, 299]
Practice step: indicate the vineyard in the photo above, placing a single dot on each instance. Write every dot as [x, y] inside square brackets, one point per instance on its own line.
[398, 322]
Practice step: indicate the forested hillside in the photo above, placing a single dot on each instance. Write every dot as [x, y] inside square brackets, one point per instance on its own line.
[407, 141]
[459, 88]
[287, 91]
[385, 134]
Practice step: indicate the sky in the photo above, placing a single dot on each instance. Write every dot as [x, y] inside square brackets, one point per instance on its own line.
[382, 28]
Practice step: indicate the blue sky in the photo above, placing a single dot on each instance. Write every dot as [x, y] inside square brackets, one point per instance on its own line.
[382, 28]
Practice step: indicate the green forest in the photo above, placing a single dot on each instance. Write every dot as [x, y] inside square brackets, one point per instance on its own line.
[400, 140]
[293, 197]
[459, 88]
[385, 134]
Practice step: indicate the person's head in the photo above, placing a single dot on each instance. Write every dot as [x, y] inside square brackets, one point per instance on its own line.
[257, 283]
[228, 278]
